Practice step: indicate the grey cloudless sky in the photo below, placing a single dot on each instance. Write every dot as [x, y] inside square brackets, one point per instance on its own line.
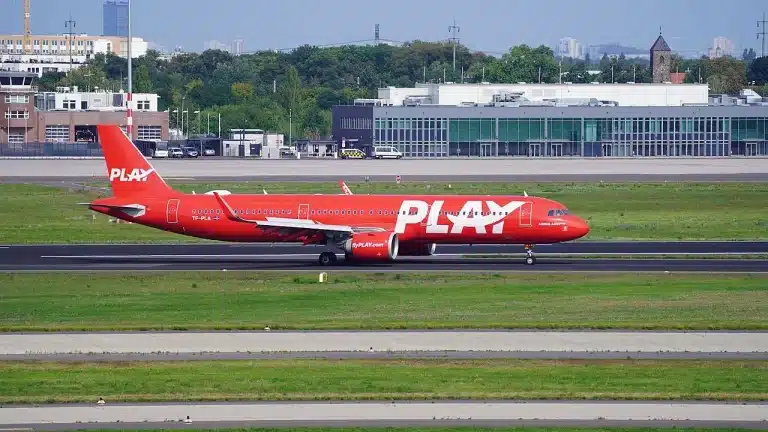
[486, 25]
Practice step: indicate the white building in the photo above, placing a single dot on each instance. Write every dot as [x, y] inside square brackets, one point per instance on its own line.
[254, 143]
[451, 94]
[55, 53]
[71, 99]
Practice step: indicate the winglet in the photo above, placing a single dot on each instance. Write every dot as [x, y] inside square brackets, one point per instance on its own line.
[228, 212]
[525, 193]
[344, 188]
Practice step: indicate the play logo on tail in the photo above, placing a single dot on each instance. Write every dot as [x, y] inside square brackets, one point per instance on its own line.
[129, 172]
[135, 175]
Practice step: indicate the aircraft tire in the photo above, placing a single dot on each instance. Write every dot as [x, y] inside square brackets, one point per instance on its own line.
[530, 260]
[327, 259]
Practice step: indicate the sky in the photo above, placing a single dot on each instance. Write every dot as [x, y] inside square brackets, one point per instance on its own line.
[491, 26]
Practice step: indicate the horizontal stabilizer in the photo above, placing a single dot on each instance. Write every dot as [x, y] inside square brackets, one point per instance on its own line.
[133, 210]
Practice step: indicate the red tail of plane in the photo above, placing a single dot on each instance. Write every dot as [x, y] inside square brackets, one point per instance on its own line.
[128, 170]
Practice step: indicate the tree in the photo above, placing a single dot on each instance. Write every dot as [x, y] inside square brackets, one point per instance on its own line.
[242, 91]
[141, 81]
[758, 71]
[260, 89]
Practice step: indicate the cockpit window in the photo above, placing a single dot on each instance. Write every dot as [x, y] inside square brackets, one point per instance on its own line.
[559, 212]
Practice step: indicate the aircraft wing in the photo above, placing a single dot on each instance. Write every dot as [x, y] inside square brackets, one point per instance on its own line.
[284, 224]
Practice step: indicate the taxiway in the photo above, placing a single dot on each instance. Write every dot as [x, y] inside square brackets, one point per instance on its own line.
[395, 413]
[382, 341]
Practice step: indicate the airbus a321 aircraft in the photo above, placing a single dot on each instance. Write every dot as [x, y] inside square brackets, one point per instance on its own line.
[370, 228]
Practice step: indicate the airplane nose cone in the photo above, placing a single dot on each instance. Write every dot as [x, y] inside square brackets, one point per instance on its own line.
[578, 227]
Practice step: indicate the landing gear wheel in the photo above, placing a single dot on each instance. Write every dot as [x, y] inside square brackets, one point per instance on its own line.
[530, 258]
[327, 259]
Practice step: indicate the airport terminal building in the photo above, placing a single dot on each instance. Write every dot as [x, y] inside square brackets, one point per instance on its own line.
[556, 120]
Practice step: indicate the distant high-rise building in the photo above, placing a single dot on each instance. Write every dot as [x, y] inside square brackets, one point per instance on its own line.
[216, 45]
[721, 47]
[238, 47]
[569, 47]
[115, 18]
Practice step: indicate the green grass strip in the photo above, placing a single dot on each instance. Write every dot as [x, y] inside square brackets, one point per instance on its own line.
[670, 211]
[247, 300]
[47, 382]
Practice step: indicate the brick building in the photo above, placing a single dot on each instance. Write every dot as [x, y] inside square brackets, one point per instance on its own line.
[69, 116]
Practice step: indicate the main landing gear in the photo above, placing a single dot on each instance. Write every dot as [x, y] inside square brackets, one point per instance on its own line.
[327, 259]
[530, 258]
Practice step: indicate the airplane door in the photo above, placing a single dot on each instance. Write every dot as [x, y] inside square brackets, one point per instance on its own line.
[526, 215]
[172, 211]
[303, 211]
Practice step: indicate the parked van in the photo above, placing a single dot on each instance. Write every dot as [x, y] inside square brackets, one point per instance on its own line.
[386, 153]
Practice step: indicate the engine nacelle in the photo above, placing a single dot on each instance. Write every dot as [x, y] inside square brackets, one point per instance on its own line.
[417, 249]
[374, 246]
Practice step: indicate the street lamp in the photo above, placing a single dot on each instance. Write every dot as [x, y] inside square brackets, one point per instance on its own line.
[182, 123]
[199, 135]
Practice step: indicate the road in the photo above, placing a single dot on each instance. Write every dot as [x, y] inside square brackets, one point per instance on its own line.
[395, 413]
[221, 256]
[381, 341]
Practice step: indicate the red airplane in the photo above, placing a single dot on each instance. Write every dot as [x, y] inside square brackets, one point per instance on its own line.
[373, 228]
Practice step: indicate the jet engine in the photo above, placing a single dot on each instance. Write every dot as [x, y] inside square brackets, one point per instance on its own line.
[372, 246]
[417, 249]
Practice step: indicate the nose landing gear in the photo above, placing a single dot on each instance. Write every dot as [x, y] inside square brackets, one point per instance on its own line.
[530, 258]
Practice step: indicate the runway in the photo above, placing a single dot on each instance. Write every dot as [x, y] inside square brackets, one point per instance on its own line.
[224, 256]
[396, 413]
[479, 341]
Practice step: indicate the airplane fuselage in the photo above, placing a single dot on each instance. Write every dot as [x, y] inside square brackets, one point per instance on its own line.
[441, 219]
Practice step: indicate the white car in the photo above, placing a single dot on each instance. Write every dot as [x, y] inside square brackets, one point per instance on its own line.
[209, 152]
[386, 153]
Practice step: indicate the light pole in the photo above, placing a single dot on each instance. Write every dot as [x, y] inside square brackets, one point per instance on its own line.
[290, 126]
[176, 112]
[199, 136]
[130, 76]
[208, 127]
[185, 135]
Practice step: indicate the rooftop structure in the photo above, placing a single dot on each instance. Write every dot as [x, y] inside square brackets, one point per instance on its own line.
[522, 94]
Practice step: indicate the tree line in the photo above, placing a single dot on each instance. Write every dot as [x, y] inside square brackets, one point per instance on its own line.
[269, 89]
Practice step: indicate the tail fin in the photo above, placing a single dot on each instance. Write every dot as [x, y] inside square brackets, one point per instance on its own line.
[128, 170]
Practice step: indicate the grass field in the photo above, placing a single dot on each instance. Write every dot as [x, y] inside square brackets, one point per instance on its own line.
[673, 211]
[244, 300]
[48, 382]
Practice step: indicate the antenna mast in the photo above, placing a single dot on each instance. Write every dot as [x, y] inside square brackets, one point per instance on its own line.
[27, 29]
[762, 33]
[453, 29]
[71, 24]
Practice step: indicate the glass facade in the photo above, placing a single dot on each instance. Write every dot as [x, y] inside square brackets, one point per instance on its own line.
[619, 136]
[416, 137]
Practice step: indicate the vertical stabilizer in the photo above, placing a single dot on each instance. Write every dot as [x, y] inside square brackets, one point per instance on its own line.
[129, 172]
